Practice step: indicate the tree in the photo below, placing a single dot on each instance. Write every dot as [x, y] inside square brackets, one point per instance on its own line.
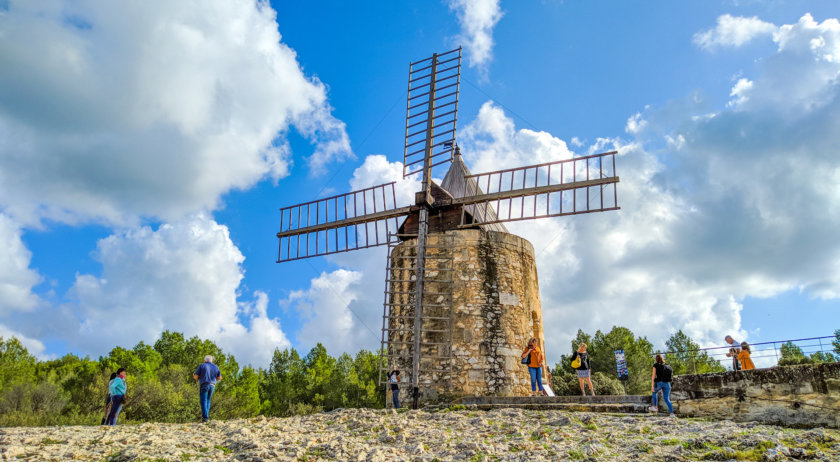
[792, 354]
[17, 366]
[685, 357]
[283, 385]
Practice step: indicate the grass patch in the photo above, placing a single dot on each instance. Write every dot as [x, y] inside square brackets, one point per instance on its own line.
[590, 426]
[224, 449]
[755, 453]
[52, 441]
[576, 454]
[670, 442]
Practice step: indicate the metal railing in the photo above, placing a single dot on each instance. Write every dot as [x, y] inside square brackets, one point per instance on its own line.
[759, 352]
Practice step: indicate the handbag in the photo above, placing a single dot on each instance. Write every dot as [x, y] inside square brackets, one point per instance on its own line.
[526, 360]
[576, 363]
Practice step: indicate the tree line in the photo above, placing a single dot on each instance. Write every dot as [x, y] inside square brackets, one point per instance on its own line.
[684, 356]
[72, 390]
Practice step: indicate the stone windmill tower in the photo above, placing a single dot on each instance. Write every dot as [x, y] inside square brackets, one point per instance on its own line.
[461, 293]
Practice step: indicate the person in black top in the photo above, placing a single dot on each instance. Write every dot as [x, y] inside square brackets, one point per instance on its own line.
[394, 380]
[660, 379]
[583, 369]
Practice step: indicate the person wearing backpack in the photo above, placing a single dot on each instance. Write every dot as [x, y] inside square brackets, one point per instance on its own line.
[661, 380]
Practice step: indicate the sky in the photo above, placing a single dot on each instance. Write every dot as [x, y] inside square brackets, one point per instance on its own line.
[146, 147]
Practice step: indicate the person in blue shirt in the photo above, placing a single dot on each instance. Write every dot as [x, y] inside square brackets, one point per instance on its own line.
[117, 389]
[207, 375]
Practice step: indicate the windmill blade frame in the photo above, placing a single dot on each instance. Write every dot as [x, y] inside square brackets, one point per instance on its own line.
[356, 220]
[431, 111]
[534, 191]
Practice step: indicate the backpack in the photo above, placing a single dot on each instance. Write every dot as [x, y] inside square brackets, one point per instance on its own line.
[667, 372]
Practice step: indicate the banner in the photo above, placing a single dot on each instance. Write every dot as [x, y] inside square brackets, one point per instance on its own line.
[621, 365]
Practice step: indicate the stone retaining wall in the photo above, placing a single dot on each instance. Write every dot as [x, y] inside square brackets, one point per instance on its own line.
[799, 396]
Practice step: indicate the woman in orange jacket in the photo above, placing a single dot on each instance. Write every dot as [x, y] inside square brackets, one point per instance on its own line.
[744, 357]
[535, 364]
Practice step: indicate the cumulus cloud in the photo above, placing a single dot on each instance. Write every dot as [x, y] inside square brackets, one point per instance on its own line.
[715, 207]
[477, 19]
[113, 111]
[16, 282]
[343, 308]
[16, 277]
[491, 142]
[185, 277]
[733, 31]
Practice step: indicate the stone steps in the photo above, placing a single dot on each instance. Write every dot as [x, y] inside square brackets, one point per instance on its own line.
[608, 403]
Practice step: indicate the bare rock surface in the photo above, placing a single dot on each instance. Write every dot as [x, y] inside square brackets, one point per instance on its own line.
[386, 435]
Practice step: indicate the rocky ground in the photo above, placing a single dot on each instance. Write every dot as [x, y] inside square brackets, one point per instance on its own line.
[464, 434]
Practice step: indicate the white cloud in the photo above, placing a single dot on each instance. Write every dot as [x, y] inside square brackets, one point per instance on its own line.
[34, 346]
[733, 31]
[343, 308]
[477, 19]
[184, 276]
[325, 309]
[491, 142]
[114, 111]
[635, 123]
[16, 277]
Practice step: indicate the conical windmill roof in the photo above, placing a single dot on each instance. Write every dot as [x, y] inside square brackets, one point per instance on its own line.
[456, 184]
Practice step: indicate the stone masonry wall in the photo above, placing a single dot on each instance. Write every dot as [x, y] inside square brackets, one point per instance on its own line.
[495, 310]
[806, 395]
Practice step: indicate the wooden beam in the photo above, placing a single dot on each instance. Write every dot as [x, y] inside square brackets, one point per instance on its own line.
[394, 213]
[523, 192]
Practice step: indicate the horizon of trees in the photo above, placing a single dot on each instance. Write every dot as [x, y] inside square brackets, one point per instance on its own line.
[71, 390]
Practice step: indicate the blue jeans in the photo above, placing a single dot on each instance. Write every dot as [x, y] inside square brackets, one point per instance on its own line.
[666, 394]
[536, 378]
[395, 395]
[204, 395]
[116, 407]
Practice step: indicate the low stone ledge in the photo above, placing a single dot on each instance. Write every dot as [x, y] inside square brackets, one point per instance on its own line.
[601, 399]
[798, 396]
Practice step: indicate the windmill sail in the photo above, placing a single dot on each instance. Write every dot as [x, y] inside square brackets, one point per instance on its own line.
[568, 187]
[356, 220]
[431, 111]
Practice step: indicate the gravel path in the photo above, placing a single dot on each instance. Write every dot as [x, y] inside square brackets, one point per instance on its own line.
[384, 435]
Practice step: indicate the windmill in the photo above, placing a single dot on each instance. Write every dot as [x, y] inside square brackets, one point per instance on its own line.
[371, 217]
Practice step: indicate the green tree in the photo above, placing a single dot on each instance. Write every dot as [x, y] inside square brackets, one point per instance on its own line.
[684, 356]
[792, 354]
[17, 366]
[283, 385]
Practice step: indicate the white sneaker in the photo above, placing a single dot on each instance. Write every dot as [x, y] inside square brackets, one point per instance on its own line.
[672, 415]
[653, 409]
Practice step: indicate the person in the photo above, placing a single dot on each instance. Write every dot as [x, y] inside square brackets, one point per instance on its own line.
[583, 371]
[117, 388]
[108, 400]
[394, 379]
[535, 365]
[733, 352]
[660, 379]
[207, 375]
[744, 357]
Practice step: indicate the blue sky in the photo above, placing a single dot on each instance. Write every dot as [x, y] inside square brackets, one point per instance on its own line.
[145, 151]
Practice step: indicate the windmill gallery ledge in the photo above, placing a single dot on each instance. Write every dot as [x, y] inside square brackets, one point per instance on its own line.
[461, 293]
